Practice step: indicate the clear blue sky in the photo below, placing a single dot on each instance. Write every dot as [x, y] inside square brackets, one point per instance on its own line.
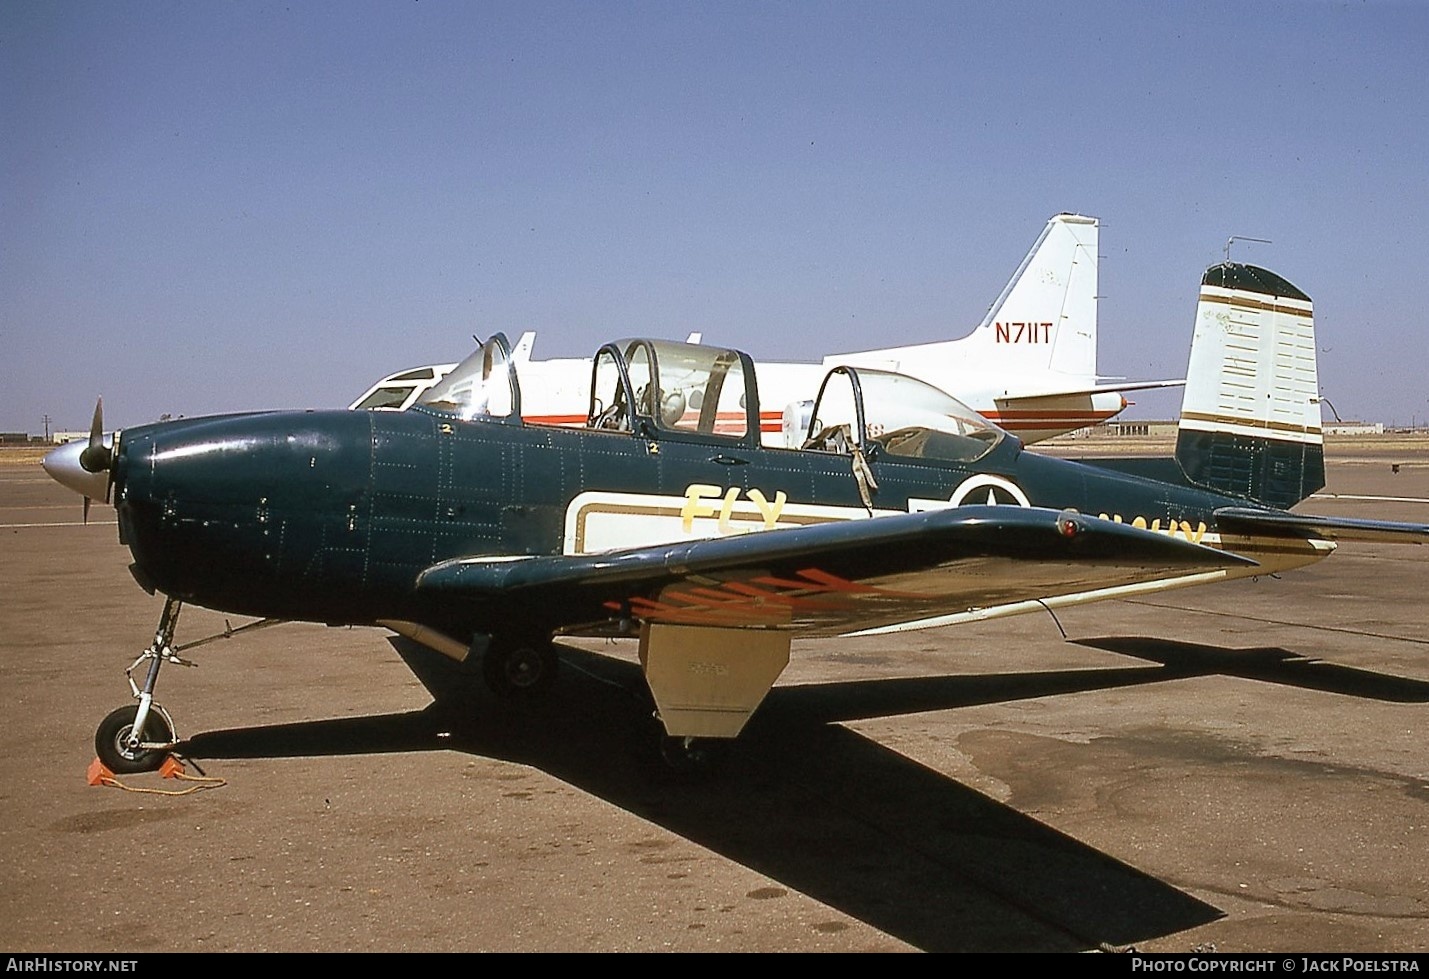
[212, 207]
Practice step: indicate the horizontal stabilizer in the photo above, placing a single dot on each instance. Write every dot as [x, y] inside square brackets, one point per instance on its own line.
[1270, 522]
[1103, 386]
[1062, 408]
[1113, 385]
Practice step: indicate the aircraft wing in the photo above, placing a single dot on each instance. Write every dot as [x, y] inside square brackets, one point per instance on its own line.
[837, 577]
[1280, 523]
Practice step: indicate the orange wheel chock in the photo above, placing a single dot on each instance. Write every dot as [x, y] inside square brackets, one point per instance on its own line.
[171, 768]
[98, 774]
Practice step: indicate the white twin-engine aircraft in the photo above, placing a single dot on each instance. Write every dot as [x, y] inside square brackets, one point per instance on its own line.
[1030, 366]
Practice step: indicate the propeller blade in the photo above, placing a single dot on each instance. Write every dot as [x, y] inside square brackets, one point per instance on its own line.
[96, 456]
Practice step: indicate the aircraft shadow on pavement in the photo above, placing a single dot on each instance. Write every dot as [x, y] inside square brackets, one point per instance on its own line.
[823, 809]
[1268, 664]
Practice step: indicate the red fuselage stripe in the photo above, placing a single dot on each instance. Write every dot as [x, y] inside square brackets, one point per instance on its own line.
[1013, 419]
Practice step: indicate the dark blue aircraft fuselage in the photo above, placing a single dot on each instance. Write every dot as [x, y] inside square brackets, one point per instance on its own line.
[330, 516]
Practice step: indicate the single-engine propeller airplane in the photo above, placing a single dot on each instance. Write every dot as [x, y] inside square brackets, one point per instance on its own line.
[1030, 366]
[466, 528]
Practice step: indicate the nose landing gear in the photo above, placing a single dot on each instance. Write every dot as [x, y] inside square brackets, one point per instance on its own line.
[137, 738]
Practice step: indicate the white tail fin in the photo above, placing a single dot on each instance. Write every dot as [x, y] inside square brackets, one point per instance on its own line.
[1051, 300]
[1045, 319]
[1250, 418]
[521, 353]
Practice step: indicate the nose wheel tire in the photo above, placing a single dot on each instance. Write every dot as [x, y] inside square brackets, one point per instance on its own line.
[111, 741]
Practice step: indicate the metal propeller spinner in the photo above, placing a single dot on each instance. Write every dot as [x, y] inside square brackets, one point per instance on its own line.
[86, 468]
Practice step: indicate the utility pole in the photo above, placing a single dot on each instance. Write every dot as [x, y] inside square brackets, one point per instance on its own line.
[47, 428]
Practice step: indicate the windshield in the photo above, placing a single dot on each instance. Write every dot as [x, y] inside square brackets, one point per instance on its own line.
[482, 386]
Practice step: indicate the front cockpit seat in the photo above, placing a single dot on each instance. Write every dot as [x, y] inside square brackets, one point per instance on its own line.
[831, 438]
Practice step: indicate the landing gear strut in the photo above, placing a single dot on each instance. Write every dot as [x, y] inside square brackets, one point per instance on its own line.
[137, 738]
[693, 757]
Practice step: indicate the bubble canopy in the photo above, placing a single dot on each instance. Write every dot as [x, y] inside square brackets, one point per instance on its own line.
[666, 389]
[670, 389]
[901, 415]
[482, 386]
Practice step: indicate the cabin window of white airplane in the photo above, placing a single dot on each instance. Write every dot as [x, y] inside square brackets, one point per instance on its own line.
[420, 374]
[386, 397]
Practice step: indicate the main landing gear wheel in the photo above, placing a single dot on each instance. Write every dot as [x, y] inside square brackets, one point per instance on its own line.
[111, 741]
[693, 757]
[519, 668]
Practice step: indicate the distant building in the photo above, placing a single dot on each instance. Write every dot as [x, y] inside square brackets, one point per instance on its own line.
[1121, 429]
[1140, 429]
[56, 438]
[1355, 428]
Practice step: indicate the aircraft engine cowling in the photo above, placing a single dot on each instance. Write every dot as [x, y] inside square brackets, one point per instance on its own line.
[208, 507]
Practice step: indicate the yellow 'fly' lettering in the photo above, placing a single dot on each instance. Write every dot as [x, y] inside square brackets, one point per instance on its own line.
[726, 509]
[699, 502]
[769, 511]
[695, 493]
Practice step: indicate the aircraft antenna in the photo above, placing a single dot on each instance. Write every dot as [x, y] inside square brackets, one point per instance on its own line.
[1324, 400]
[1263, 241]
